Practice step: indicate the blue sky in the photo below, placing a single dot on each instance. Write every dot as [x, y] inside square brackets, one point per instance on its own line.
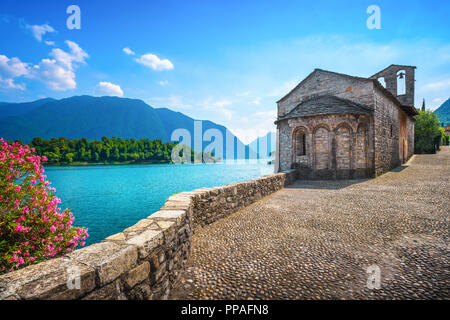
[225, 61]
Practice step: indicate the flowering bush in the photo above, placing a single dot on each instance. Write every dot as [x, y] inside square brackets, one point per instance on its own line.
[32, 227]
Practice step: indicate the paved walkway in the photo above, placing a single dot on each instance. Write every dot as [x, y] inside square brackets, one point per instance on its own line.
[315, 240]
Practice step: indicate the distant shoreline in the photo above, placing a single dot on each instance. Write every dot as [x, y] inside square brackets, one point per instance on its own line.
[79, 164]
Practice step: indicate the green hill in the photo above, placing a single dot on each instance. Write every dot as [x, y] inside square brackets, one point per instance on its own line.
[443, 112]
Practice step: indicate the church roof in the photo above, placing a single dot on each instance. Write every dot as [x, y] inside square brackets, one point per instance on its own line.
[326, 104]
[410, 110]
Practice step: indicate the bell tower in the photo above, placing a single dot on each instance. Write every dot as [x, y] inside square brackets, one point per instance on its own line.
[399, 80]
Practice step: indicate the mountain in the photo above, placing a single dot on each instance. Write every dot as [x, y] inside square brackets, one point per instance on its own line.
[177, 120]
[264, 146]
[13, 109]
[443, 112]
[84, 116]
[94, 117]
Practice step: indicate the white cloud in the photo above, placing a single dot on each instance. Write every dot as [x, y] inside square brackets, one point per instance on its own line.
[218, 106]
[50, 43]
[10, 84]
[438, 85]
[243, 94]
[257, 101]
[172, 102]
[109, 89]
[40, 30]
[263, 122]
[163, 83]
[269, 114]
[152, 61]
[283, 89]
[66, 59]
[438, 100]
[58, 73]
[128, 51]
[54, 75]
[221, 103]
[10, 69]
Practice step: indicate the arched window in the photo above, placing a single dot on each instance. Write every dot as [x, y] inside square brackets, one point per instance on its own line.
[401, 82]
[300, 144]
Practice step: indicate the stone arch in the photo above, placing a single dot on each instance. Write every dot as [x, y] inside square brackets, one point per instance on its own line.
[321, 142]
[401, 82]
[343, 150]
[362, 146]
[299, 142]
[321, 125]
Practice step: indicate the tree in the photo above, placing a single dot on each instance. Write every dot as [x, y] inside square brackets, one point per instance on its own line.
[427, 135]
[69, 157]
[65, 151]
[423, 105]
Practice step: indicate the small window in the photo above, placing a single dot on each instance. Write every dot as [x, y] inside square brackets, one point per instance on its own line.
[382, 81]
[300, 144]
[401, 82]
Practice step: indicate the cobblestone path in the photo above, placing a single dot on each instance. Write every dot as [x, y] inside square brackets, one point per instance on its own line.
[315, 240]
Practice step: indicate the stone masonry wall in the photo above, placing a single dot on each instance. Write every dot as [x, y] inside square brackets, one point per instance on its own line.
[337, 146]
[387, 133]
[328, 83]
[410, 128]
[142, 261]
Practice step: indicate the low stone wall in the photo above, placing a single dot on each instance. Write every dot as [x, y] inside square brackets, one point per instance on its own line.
[143, 261]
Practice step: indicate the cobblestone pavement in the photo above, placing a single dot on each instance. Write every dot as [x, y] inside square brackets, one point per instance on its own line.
[315, 240]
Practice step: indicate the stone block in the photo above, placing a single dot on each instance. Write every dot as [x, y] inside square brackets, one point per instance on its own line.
[109, 259]
[177, 216]
[137, 275]
[51, 279]
[111, 291]
[146, 242]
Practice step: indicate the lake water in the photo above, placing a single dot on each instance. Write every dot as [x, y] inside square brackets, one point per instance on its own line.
[108, 199]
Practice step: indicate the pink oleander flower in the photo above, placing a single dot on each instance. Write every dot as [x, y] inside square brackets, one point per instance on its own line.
[34, 227]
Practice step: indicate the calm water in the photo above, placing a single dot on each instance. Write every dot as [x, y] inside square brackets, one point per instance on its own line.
[108, 199]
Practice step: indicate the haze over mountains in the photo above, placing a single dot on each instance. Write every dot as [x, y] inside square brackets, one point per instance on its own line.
[94, 117]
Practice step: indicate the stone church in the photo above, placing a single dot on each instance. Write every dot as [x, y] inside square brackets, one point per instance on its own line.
[337, 126]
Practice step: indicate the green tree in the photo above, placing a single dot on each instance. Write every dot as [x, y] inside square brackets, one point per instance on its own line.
[69, 157]
[427, 135]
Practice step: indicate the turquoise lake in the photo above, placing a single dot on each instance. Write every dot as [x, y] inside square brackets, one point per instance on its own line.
[108, 199]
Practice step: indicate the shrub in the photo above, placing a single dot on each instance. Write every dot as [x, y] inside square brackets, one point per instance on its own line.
[427, 136]
[32, 227]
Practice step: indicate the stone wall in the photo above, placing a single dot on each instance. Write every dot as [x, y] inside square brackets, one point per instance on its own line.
[338, 146]
[322, 82]
[142, 261]
[388, 146]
